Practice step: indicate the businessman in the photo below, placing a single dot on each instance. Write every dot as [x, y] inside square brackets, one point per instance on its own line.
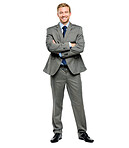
[65, 42]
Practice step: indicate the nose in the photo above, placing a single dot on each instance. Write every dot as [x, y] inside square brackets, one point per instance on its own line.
[63, 14]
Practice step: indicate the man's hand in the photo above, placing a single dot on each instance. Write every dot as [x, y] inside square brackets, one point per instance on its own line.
[73, 44]
[53, 41]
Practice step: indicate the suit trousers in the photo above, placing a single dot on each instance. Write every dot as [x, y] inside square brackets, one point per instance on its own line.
[74, 87]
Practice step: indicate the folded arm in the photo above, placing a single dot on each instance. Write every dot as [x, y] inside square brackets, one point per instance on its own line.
[77, 47]
[54, 47]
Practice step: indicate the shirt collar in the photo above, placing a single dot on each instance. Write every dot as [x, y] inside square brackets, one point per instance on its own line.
[61, 25]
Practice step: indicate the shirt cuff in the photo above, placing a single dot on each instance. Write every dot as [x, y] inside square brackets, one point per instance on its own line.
[70, 45]
[60, 55]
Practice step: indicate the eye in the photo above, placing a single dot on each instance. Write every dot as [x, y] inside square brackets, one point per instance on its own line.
[61, 12]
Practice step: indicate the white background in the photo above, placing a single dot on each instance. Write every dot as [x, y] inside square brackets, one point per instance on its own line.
[25, 92]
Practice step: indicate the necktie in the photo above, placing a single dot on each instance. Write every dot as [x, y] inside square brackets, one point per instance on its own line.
[64, 31]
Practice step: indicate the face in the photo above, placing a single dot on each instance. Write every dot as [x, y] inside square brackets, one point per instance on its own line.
[64, 15]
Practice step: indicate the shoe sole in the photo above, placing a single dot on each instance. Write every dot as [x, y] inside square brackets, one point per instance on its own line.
[86, 141]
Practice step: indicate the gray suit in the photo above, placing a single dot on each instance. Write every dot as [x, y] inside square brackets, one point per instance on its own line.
[72, 56]
[62, 76]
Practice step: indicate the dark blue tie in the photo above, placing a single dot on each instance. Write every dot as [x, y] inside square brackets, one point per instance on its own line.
[64, 31]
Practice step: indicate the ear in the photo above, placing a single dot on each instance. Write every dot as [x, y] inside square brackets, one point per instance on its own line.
[57, 14]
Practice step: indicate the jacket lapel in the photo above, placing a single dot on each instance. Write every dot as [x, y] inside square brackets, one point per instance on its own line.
[68, 31]
[59, 31]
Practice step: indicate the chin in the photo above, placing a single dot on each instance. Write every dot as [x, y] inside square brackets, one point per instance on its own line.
[64, 22]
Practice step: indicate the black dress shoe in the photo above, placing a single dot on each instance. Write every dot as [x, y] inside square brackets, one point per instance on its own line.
[56, 137]
[84, 136]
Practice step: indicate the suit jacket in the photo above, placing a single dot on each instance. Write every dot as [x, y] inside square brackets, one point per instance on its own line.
[72, 55]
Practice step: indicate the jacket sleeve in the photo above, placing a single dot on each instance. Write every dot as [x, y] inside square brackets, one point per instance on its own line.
[57, 47]
[78, 48]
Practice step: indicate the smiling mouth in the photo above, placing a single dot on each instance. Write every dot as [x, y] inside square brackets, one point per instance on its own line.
[64, 18]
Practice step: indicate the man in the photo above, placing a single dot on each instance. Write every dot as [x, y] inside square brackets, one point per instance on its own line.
[65, 42]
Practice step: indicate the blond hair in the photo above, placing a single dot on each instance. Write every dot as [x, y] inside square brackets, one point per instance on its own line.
[63, 5]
